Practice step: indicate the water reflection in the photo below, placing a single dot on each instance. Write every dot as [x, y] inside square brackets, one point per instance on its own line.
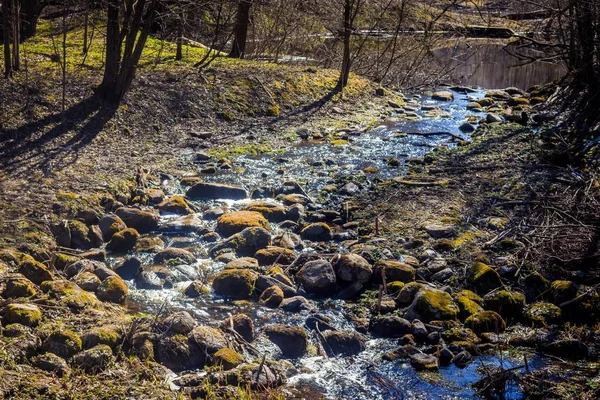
[487, 64]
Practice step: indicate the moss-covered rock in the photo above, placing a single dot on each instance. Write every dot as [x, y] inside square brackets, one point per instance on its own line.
[150, 244]
[271, 297]
[483, 278]
[394, 288]
[109, 225]
[62, 260]
[467, 306]
[113, 289]
[408, 293]
[561, 291]
[24, 314]
[235, 283]
[430, 305]
[536, 286]
[394, 271]
[19, 287]
[235, 222]
[353, 268]
[508, 304]
[424, 362]
[64, 343]
[271, 211]
[94, 360]
[208, 339]
[108, 335]
[88, 281]
[244, 263]
[175, 205]
[272, 255]
[178, 353]
[51, 363]
[141, 221]
[68, 294]
[227, 359]
[244, 243]
[485, 321]
[80, 235]
[543, 314]
[345, 343]
[190, 181]
[123, 241]
[317, 232]
[35, 271]
[174, 253]
[291, 340]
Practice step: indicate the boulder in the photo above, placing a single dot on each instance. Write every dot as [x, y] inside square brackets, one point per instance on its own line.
[87, 281]
[244, 243]
[24, 314]
[113, 289]
[207, 191]
[483, 278]
[424, 362]
[317, 232]
[141, 221]
[344, 343]
[543, 314]
[94, 360]
[395, 271]
[179, 322]
[234, 222]
[235, 283]
[109, 225]
[353, 268]
[227, 359]
[242, 324]
[431, 305]
[275, 255]
[35, 271]
[175, 205]
[123, 241]
[291, 340]
[317, 277]
[390, 326]
[273, 212]
[287, 240]
[443, 95]
[468, 304]
[295, 304]
[485, 321]
[271, 297]
[174, 253]
[63, 343]
[508, 304]
[108, 335]
[51, 363]
[209, 339]
[178, 353]
[243, 263]
[19, 287]
[149, 244]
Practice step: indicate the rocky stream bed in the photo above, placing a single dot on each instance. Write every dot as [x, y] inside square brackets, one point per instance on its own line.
[256, 273]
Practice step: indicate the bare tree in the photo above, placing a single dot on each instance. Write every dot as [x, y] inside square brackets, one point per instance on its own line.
[238, 48]
[125, 41]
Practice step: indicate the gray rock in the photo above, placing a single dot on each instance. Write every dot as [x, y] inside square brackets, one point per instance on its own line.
[317, 277]
[205, 190]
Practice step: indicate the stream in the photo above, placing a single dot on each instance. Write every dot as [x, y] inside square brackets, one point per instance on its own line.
[315, 165]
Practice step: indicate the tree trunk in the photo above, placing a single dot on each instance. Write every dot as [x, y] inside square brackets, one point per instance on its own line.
[6, 36]
[86, 24]
[238, 49]
[30, 13]
[346, 58]
[113, 50]
[16, 34]
[179, 55]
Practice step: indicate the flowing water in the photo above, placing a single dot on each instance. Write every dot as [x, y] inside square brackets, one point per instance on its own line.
[365, 376]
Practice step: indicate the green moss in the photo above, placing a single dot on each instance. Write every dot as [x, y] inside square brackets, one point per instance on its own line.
[62, 261]
[64, 343]
[35, 271]
[466, 307]
[274, 111]
[486, 321]
[227, 358]
[339, 142]
[231, 223]
[113, 289]
[123, 240]
[508, 304]
[19, 287]
[24, 314]
[107, 335]
[395, 287]
[436, 305]
[561, 291]
[235, 283]
[175, 204]
[543, 314]
[483, 278]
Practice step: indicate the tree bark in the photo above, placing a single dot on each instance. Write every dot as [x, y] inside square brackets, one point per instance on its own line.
[238, 49]
[16, 34]
[113, 50]
[6, 37]
[347, 34]
[179, 55]
[30, 13]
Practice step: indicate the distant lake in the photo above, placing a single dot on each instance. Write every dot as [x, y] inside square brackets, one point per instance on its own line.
[488, 65]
